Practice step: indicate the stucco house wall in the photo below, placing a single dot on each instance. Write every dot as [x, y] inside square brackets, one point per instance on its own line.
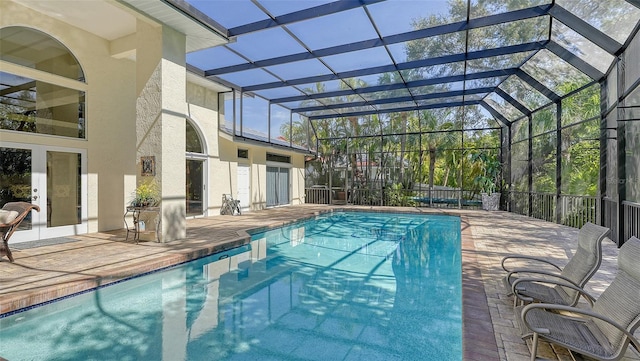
[120, 81]
[110, 114]
[222, 155]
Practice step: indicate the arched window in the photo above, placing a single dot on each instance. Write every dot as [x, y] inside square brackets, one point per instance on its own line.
[196, 170]
[35, 102]
[194, 144]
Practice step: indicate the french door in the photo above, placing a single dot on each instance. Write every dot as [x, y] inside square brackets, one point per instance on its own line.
[195, 187]
[52, 178]
[277, 186]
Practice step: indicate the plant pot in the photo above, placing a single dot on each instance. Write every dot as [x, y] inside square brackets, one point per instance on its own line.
[491, 202]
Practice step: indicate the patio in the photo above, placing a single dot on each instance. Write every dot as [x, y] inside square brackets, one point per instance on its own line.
[49, 271]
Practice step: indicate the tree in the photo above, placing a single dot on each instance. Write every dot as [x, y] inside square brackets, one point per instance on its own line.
[432, 145]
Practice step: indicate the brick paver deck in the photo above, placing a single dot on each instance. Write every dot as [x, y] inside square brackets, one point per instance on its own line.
[48, 272]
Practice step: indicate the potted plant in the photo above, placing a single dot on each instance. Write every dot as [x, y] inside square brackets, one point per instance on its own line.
[147, 194]
[488, 180]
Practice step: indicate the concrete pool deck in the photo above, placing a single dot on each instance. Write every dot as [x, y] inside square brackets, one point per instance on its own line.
[46, 272]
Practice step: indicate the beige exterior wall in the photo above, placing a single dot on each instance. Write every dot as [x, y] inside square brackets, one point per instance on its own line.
[110, 115]
[136, 105]
[222, 156]
[258, 168]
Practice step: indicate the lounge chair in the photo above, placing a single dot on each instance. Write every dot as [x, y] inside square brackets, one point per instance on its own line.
[11, 215]
[526, 285]
[602, 332]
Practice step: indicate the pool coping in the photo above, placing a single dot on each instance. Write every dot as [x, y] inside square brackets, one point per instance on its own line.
[478, 337]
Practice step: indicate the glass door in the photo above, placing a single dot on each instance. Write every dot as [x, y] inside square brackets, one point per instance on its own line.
[16, 185]
[195, 187]
[277, 186]
[53, 178]
[63, 194]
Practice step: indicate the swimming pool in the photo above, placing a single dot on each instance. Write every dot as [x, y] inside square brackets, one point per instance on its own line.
[349, 286]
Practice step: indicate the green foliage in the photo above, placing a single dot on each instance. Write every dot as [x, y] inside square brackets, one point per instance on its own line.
[488, 181]
[14, 115]
[544, 163]
[397, 196]
[147, 194]
[580, 169]
[436, 148]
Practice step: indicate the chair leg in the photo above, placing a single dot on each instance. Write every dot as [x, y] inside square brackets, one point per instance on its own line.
[534, 346]
[5, 249]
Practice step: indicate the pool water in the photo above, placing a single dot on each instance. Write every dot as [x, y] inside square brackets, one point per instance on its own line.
[347, 286]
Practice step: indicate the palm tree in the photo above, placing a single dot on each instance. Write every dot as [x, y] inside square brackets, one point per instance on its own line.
[441, 137]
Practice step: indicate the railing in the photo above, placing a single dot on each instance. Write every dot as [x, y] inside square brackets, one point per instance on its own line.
[611, 218]
[570, 210]
[441, 198]
[575, 211]
[631, 222]
[317, 195]
[448, 198]
[543, 206]
[366, 197]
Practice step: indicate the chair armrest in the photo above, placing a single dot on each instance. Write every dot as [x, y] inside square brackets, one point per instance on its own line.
[568, 284]
[578, 311]
[528, 258]
[532, 271]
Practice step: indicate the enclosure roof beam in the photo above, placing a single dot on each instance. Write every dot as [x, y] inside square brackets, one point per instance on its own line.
[576, 62]
[395, 110]
[294, 17]
[536, 45]
[534, 83]
[388, 40]
[504, 95]
[496, 114]
[395, 100]
[635, 3]
[585, 29]
[410, 84]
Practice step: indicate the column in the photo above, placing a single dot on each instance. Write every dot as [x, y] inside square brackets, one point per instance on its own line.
[160, 119]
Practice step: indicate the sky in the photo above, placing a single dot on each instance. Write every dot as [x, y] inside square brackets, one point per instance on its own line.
[379, 19]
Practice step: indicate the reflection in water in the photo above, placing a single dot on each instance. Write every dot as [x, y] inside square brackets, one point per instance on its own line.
[351, 287]
[427, 306]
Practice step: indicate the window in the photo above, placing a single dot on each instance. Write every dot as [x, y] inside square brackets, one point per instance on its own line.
[278, 158]
[243, 153]
[37, 50]
[194, 144]
[38, 104]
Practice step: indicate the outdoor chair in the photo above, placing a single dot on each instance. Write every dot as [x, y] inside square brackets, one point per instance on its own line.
[554, 284]
[11, 215]
[229, 205]
[602, 332]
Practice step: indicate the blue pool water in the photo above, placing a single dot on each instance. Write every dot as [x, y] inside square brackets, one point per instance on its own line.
[350, 286]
